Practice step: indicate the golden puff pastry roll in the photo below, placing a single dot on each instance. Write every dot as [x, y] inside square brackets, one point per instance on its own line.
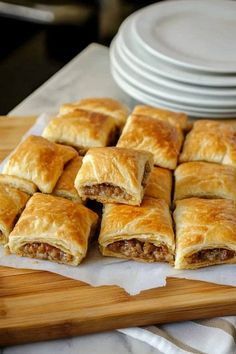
[210, 141]
[19, 183]
[114, 175]
[54, 229]
[12, 202]
[104, 105]
[65, 185]
[205, 232]
[160, 138]
[179, 120]
[39, 161]
[159, 184]
[82, 130]
[142, 233]
[205, 180]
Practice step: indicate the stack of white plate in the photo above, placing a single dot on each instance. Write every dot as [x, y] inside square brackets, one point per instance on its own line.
[180, 55]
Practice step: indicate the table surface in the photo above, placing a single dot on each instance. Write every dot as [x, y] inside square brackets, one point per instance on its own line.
[86, 75]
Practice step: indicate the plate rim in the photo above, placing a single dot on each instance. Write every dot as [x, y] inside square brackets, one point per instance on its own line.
[191, 64]
[152, 102]
[115, 53]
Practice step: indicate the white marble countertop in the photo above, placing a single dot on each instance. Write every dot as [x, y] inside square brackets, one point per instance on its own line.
[86, 75]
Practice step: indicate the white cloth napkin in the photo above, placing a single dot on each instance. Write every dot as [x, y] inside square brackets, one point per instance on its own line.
[212, 336]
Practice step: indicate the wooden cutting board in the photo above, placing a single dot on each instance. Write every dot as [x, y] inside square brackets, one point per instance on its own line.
[36, 305]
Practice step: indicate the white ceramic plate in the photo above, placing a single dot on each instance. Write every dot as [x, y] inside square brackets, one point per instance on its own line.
[225, 104]
[198, 35]
[144, 98]
[151, 65]
[205, 91]
[179, 105]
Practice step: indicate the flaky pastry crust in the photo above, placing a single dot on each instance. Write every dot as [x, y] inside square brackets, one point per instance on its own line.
[39, 161]
[160, 138]
[159, 185]
[12, 202]
[210, 141]
[19, 183]
[150, 225]
[205, 180]
[65, 185]
[81, 129]
[114, 175]
[205, 232]
[179, 120]
[104, 105]
[56, 226]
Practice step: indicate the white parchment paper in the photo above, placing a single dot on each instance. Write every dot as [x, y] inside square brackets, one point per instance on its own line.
[132, 276]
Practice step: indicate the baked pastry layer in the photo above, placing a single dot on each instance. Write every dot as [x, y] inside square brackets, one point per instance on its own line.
[159, 184]
[114, 175]
[12, 202]
[210, 141]
[205, 180]
[205, 232]
[65, 185]
[179, 120]
[39, 161]
[19, 183]
[104, 105]
[53, 228]
[160, 138]
[82, 130]
[142, 233]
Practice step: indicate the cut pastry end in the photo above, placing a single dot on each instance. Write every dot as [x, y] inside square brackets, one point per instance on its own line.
[110, 193]
[114, 175]
[21, 184]
[45, 251]
[139, 250]
[207, 257]
[53, 228]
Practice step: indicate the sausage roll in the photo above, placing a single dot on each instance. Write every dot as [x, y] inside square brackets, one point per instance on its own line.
[159, 184]
[12, 202]
[19, 183]
[142, 233]
[108, 106]
[177, 119]
[160, 138]
[210, 141]
[205, 232]
[82, 130]
[205, 180]
[54, 229]
[65, 185]
[39, 161]
[114, 175]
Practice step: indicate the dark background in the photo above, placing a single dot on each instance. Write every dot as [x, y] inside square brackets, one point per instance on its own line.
[32, 51]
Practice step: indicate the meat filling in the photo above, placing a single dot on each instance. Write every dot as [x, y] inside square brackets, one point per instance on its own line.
[146, 173]
[106, 189]
[45, 251]
[142, 250]
[211, 255]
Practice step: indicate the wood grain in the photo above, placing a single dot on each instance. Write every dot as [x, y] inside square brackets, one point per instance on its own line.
[36, 305]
